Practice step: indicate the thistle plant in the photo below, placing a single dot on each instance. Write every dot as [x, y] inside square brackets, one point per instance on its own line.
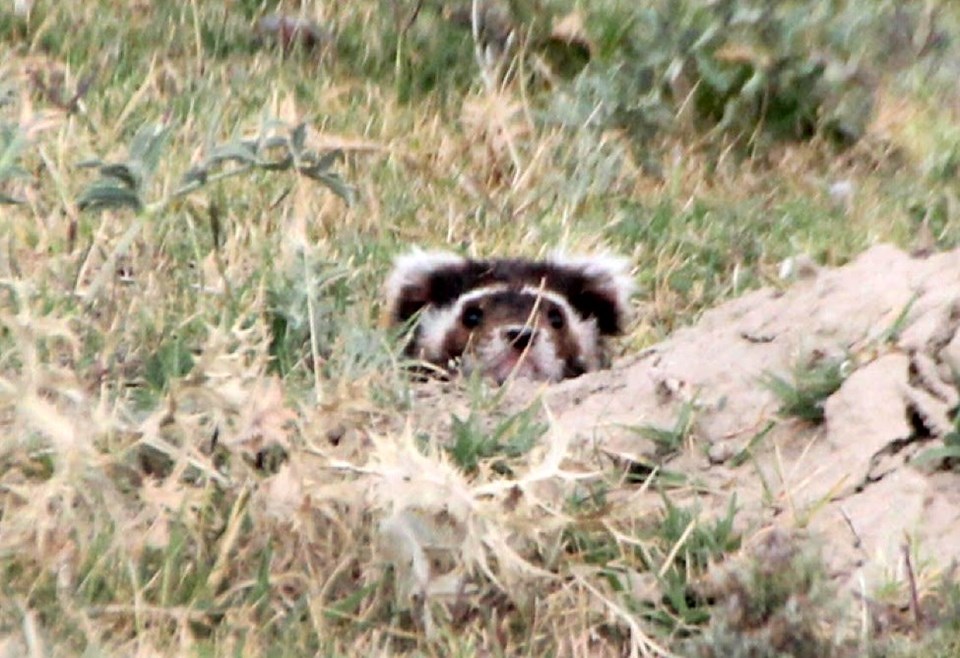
[126, 184]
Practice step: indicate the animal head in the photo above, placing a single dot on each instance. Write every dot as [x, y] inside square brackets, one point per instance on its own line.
[543, 320]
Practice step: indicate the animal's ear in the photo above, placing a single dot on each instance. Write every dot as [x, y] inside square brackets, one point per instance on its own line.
[422, 278]
[597, 287]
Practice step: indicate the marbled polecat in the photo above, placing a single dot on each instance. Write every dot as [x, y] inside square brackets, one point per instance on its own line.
[544, 320]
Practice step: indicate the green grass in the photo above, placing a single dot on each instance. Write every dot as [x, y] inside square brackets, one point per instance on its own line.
[506, 439]
[669, 441]
[693, 546]
[804, 394]
[202, 421]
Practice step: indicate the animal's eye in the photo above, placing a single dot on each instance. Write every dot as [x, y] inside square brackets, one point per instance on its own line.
[555, 317]
[472, 317]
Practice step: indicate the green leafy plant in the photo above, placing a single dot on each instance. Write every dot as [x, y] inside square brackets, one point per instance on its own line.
[173, 357]
[588, 541]
[126, 183]
[304, 303]
[812, 381]
[740, 69]
[701, 543]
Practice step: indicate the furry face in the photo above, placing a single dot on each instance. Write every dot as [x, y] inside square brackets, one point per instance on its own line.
[542, 320]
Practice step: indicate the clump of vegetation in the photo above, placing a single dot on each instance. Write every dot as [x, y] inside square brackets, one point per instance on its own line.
[11, 141]
[772, 604]
[126, 183]
[693, 547]
[669, 551]
[474, 440]
[814, 379]
[670, 440]
[741, 70]
[929, 625]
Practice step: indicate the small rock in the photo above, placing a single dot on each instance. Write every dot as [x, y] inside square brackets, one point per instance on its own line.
[720, 452]
[841, 192]
[801, 266]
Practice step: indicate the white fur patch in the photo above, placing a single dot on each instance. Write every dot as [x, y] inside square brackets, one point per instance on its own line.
[613, 272]
[413, 268]
[584, 331]
[436, 323]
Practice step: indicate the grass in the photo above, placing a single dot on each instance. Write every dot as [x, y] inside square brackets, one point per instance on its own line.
[669, 441]
[512, 437]
[814, 379]
[207, 440]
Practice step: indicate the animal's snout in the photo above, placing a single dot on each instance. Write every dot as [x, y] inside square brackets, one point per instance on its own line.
[520, 337]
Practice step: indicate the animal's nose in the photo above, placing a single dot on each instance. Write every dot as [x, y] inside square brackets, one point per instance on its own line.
[520, 337]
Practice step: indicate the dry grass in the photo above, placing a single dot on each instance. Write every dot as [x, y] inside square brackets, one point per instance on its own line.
[207, 447]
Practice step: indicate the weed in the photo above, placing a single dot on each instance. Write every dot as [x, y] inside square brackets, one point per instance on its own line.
[771, 604]
[126, 183]
[683, 550]
[747, 452]
[699, 544]
[303, 306]
[892, 333]
[670, 440]
[170, 362]
[715, 63]
[813, 380]
[475, 441]
[12, 141]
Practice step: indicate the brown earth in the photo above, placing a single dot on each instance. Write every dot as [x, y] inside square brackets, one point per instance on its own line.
[849, 480]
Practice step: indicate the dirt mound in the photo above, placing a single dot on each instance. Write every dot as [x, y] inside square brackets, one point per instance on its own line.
[890, 321]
